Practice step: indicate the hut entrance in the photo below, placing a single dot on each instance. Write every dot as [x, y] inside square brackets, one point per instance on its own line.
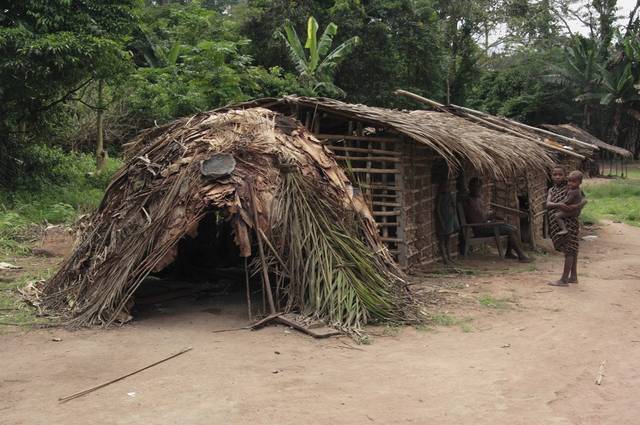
[207, 274]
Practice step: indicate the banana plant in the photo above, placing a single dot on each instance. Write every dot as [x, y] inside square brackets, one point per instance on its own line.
[316, 68]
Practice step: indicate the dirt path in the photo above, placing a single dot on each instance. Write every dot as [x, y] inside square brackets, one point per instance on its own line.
[530, 361]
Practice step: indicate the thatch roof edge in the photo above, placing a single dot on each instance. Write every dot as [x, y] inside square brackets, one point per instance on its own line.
[576, 132]
[500, 157]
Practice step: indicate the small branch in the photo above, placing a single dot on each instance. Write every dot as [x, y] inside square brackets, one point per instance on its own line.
[632, 18]
[600, 373]
[97, 387]
[66, 96]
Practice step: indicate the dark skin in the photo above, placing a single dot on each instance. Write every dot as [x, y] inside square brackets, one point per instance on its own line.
[514, 237]
[570, 269]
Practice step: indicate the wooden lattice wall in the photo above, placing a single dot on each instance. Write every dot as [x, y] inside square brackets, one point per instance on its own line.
[537, 189]
[418, 195]
[394, 175]
[373, 165]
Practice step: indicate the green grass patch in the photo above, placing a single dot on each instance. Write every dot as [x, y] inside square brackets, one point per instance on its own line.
[495, 303]
[617, 200]
[391, 329]
[443, 319]
[13, 310]
[74, 188]
[466, 327]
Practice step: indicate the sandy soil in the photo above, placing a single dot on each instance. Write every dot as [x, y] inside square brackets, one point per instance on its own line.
[532, 360]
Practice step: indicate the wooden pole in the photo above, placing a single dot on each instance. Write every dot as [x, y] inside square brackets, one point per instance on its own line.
[101, 154]
[497, 127]
[265, 271]
[97, 387]
[246, 280]
[534, 129]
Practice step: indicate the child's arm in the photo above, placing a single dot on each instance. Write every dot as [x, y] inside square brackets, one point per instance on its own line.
[551, 205]
[575, 207]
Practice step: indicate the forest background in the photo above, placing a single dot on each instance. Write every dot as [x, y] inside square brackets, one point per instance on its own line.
[78, 78]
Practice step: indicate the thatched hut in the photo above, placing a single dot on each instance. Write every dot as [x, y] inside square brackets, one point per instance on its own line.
[212, 185]
[608, 156]
[395, 158]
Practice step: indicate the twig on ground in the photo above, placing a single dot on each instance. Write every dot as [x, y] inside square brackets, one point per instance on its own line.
[230, 329]
[600, 373]
[97, 387]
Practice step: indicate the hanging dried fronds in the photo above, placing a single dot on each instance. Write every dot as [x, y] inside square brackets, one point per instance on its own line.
[329, 271]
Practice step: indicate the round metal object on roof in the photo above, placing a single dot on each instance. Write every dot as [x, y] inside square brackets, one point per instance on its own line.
[218, 165]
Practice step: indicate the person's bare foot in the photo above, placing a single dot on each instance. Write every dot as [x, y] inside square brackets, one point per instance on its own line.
[510, 256]
[558, 283]
[572, 280]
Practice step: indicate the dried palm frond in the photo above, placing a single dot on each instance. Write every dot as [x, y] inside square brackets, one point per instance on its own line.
[331, 273]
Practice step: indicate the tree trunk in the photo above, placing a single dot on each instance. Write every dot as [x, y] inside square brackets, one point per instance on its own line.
[101, 154]
[586, 119]
[615, 127]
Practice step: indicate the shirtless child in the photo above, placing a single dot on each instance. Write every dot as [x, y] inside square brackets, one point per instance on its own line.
[574, 197]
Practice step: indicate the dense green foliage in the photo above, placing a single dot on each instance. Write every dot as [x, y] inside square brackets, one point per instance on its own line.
[56, 188]
[159, 60]
[71, 67]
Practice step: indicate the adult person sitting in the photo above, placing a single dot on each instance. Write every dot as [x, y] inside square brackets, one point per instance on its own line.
[476, 212]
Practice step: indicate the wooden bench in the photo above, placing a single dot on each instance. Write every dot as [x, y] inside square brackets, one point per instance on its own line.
[469, 240]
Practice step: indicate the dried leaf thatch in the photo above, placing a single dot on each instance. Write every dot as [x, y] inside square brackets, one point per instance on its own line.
[458, 140]
[336, 266]
[570, 130]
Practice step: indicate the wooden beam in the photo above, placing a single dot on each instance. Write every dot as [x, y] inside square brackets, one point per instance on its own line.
[385, 213]
[363, 150]
[362, 138]
[487, 123]
[375, 170]
[385, 204]
[396, 240]
[531, 128]
[368, 158]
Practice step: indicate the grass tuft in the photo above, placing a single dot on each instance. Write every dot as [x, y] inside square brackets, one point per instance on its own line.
[495, 303]
[13, 309]
[443, 319]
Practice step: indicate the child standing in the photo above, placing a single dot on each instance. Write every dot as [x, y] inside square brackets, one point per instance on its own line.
[573, 198]
[568, 242]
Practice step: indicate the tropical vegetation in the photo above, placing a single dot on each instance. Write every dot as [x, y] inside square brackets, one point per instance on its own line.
[79, 77]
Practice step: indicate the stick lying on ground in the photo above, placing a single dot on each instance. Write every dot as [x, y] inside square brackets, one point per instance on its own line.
[600, 373]
[97, 387]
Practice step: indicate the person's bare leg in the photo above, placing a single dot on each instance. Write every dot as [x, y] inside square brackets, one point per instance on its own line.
[562, 225]
[443, 252]
[515, 244]
[573, 276]
[509, 253]
[447, 248]
[566, 271]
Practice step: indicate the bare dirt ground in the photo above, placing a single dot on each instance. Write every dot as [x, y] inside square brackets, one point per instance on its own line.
[517, 352]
